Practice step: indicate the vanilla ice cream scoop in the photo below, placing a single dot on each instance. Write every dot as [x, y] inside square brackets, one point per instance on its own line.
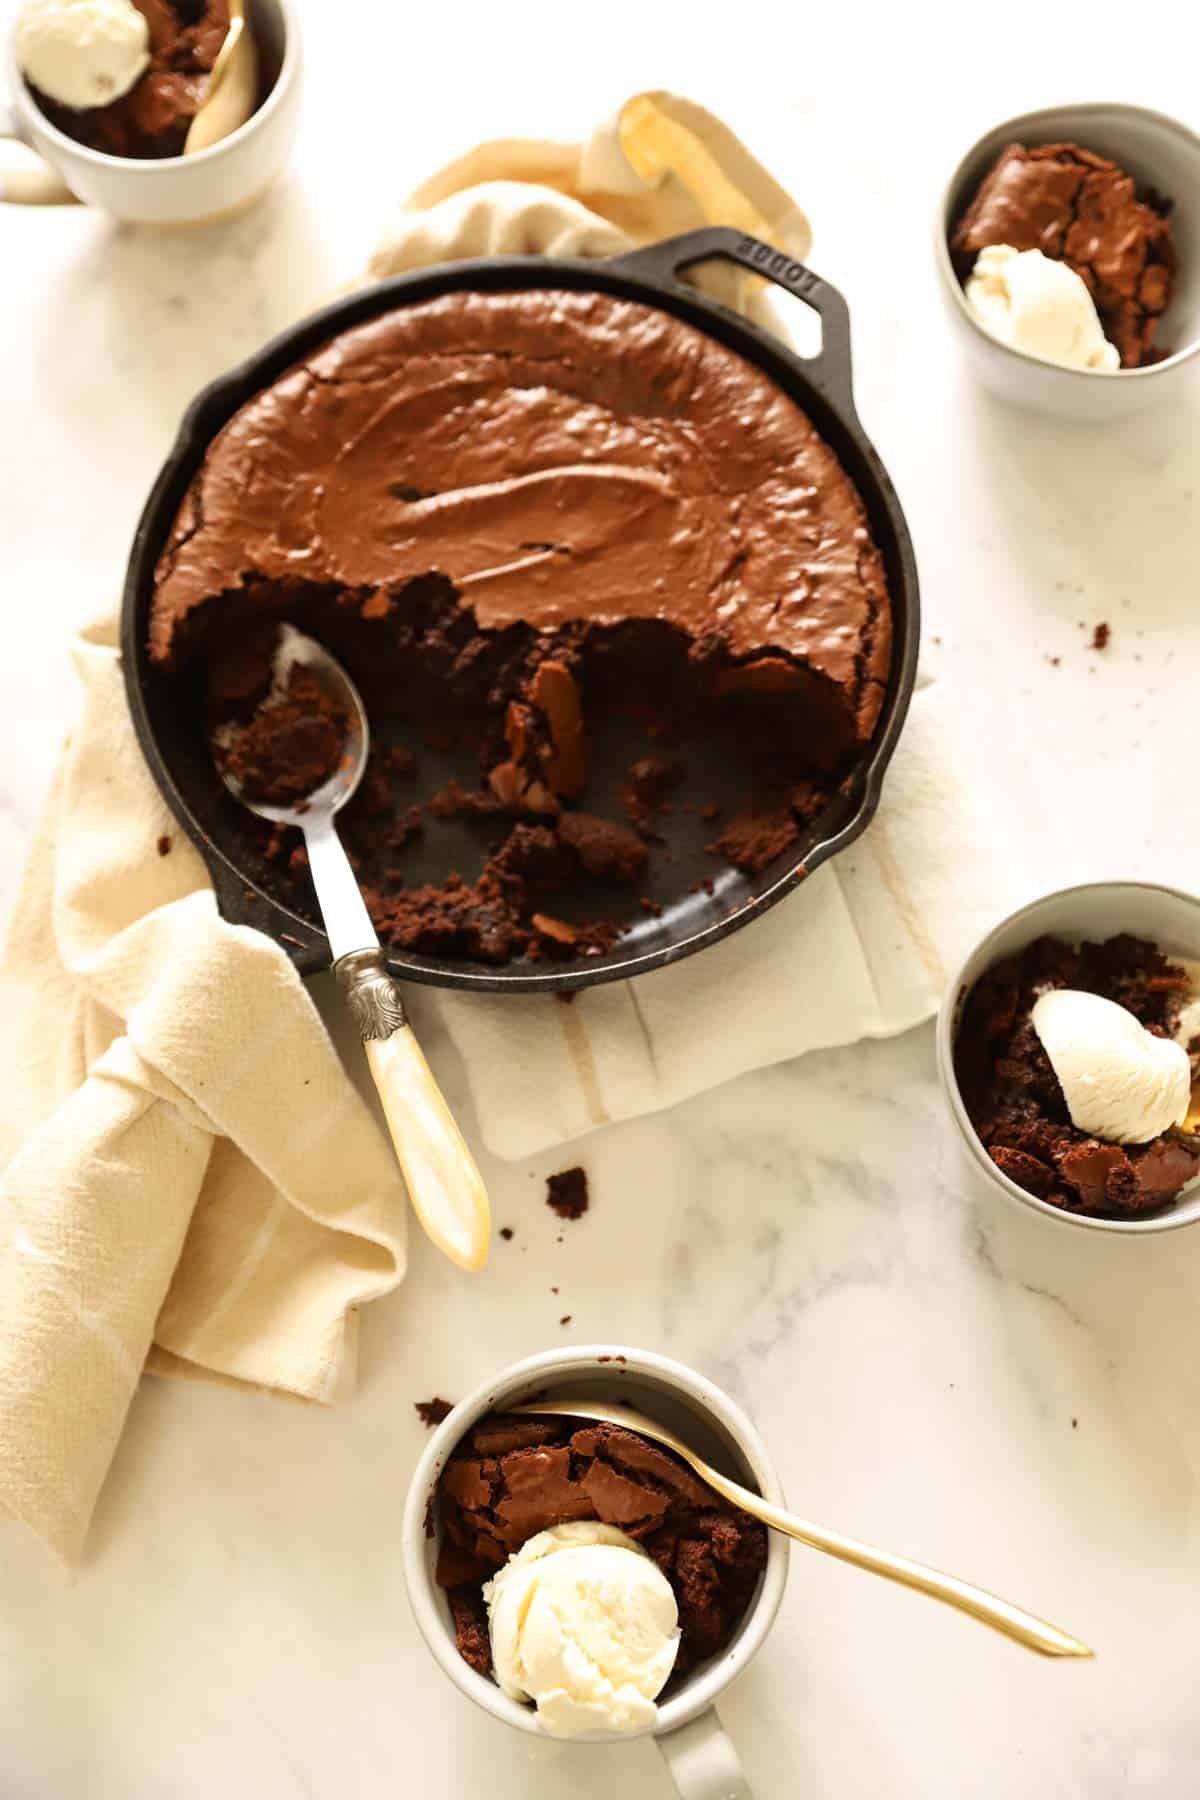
[1040, 306]
[82, 53]
[585, 1626]
[1120, 1082]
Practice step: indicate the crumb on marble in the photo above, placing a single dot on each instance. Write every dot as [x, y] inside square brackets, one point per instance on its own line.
[567, 1193]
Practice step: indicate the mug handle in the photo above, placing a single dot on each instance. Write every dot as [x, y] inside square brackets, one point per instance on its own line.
[40, 186]
[703, 1762]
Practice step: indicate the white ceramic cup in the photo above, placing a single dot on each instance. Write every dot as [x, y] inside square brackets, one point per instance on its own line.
[1159, 153]
[171, 190]
[701, 1758]
[1169, 917]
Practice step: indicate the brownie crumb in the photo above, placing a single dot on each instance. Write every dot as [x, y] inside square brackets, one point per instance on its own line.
[432, 1412]
[606, 851]
[164, 845]
[753, 839]
[454, 801]
[506, 1232]
[567, 1193]
[566, 1319]
[645, 788]
[1101, 636]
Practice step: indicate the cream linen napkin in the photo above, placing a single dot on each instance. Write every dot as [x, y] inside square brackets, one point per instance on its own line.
[191, 1184]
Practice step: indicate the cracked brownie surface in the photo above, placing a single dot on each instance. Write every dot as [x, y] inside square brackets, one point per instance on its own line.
[1084, 210]
[513, 1477]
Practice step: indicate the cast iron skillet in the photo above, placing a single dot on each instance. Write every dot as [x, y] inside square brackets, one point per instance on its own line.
[167, 712]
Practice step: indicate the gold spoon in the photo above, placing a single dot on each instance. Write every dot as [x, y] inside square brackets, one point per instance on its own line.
[1025, 1628]
[232, 91]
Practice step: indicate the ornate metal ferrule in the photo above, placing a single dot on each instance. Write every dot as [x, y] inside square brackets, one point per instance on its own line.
[373, 997]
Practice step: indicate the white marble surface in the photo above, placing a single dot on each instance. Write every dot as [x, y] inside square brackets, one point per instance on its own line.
[1016, 1403]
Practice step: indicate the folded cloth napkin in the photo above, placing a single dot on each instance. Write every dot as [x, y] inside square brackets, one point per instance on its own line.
[192, 1184]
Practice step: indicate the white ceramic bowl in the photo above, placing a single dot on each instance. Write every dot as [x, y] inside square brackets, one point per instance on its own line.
[1168, 916]
[699, 1755]
[1159, 153]
[172, 190]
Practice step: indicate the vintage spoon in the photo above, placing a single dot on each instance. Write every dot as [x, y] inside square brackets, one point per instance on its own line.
[444, 1184]
[1002, 1615]
[232, 91]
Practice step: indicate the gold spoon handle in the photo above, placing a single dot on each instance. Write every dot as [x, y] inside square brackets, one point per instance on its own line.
[1013, 1621]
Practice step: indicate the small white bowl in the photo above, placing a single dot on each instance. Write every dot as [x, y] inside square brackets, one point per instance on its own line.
[1159, 153]
[1169, 917]
[701, 1758]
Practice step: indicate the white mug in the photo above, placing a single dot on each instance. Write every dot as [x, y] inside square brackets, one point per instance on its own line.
[169, 190]
[701, 1758]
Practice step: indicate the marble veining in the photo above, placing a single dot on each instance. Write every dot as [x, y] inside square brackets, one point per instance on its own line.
[928, 1368]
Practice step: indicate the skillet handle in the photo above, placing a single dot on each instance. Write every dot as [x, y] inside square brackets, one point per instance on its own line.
[830, 369]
